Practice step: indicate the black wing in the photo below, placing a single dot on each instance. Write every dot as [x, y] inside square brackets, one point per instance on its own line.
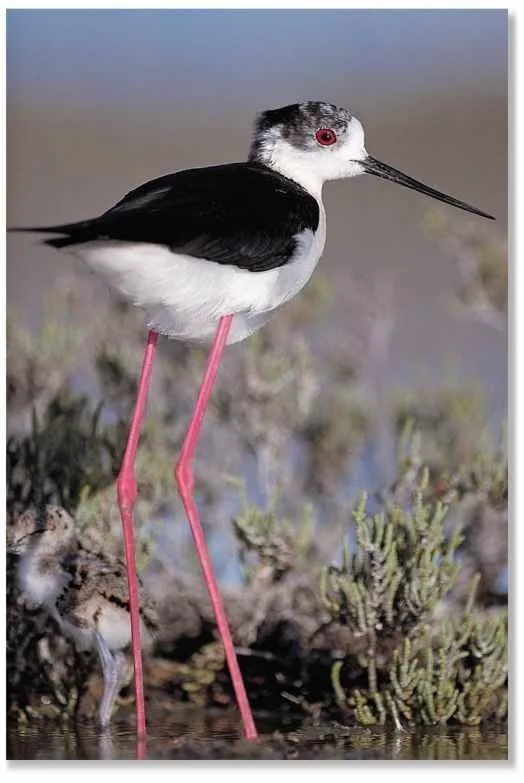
[240, 213]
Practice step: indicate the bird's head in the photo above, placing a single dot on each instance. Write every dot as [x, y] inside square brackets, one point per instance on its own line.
[316, 140]
[313, 142]
[47, 530]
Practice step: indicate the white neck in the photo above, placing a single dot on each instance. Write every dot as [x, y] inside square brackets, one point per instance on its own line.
[292, 163]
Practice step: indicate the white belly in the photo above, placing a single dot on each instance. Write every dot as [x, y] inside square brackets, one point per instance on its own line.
[184, 297]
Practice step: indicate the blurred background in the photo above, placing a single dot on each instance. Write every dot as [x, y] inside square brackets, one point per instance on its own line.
[99, 101]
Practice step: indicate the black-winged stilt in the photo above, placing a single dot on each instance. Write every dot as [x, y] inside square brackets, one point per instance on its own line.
[208, 254]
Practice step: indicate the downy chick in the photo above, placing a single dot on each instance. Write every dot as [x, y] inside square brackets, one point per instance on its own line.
[85, 592]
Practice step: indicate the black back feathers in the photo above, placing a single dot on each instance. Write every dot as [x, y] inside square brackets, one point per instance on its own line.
[244, 214]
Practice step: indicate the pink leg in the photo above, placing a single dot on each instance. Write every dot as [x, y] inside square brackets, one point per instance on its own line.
[126, 491]
[185, 483]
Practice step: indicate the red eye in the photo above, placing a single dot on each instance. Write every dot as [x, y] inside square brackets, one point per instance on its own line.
[326, 136]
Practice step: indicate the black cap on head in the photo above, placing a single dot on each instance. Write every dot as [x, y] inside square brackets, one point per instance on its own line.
[297, 123]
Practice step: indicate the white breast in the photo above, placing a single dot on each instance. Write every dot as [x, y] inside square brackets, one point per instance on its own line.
[111, 622]
[184, 297]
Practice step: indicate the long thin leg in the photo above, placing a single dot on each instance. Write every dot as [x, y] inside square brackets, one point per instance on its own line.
[126, 492]
[112, 668]
[185, 482]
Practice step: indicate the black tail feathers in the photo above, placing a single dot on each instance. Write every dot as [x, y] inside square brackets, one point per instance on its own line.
[72, 233]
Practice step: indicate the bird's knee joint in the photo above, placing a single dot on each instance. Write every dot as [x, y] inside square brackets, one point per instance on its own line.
[184, 475]
[126, 490]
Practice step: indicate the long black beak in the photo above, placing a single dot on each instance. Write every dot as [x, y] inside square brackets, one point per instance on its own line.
[374, 166]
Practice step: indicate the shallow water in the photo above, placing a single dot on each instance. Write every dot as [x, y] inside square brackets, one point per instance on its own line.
[200, 735]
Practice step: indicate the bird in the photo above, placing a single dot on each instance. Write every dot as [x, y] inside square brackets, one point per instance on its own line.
[84, 591]
[209, 255]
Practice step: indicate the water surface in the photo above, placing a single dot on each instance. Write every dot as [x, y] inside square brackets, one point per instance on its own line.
[181, 734]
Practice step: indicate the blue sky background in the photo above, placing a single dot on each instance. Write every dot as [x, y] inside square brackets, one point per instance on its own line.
[93, 57]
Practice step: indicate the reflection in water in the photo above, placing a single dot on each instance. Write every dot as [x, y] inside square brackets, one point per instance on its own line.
[199, 735]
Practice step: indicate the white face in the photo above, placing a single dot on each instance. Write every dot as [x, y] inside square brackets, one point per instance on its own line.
[335, 160]
[310, 143]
